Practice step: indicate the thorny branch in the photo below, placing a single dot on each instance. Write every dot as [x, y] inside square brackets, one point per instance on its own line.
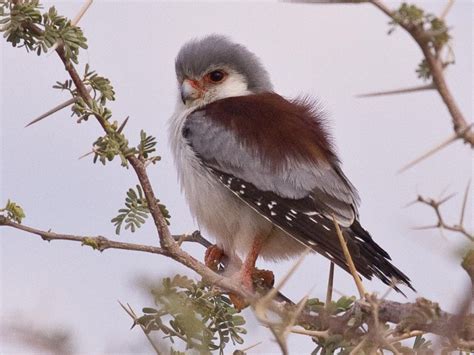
[168, 244]
[129, 310]
[441, 224]
[101, 243]
[432, 54]
[422, 315]
[436, 66]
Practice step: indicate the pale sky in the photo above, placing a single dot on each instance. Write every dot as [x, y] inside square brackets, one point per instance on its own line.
[331, 52]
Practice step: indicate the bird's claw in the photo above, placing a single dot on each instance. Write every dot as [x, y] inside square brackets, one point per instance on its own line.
[213, 257]
[263, 278]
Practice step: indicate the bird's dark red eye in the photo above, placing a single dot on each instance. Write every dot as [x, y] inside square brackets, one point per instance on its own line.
[216, 76]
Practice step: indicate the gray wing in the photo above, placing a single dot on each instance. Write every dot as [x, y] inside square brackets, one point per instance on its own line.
[322, 183]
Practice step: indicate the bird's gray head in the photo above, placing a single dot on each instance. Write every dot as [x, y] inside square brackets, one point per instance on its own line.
[214, 68]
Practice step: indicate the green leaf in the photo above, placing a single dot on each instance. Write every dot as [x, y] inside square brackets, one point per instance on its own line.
[13, 211]
[135, 213]
[344, 303]
[146, 147]
[204, 319]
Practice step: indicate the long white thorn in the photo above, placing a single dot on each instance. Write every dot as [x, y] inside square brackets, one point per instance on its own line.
[430, 86]
[429, 153]
[55, 109]
[446, 9]
[464, 202]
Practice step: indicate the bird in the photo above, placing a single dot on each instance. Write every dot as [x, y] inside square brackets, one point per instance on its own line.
[259, 171]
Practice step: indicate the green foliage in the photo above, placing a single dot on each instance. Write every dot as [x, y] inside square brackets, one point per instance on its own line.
[408, 15]
[13, 211]
[147, 145]
[332, 343]
[421, 344]
[335, 307]
[25, 26]
[165, 212]
[423, 71]
[100, 85]
[430, 27]
[135, 213]
[66, 85]
[195, 314]
[102, 89]
[112, 144]
[438, 30]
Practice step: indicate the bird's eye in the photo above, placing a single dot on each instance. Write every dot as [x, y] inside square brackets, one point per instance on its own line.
[216, 76]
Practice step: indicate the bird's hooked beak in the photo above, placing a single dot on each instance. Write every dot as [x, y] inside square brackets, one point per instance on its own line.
[191, 90]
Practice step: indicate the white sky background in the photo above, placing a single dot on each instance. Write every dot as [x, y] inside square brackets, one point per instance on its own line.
[331, 52]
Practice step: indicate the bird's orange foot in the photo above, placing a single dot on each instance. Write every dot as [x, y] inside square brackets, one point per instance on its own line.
[213, 257]
[245, 278]
[239, 302]
[263, 278]
[250, 279]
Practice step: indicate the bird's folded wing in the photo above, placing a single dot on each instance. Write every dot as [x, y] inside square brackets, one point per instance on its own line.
[276, 145]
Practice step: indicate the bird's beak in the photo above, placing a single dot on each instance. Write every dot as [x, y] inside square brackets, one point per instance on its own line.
[190, 90]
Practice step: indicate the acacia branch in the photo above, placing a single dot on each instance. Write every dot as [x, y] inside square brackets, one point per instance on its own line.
[101, 243]
[167, 241]
[96, 242]
[441, 223]
[422, 315]
[436, 68]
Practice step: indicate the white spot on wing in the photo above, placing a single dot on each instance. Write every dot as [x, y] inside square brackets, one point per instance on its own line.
[326, 227]
[272, 213]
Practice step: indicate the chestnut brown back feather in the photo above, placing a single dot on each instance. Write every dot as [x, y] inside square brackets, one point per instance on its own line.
[276, 127]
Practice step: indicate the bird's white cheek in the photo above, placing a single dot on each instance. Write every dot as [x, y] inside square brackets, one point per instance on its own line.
[235, 85]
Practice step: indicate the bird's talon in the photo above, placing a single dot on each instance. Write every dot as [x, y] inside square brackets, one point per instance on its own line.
[263, 278]
[238, 302]
[213, 257]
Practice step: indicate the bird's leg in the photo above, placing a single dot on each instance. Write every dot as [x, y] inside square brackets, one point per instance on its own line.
[249, 275]
[213, 257]
[248, 267]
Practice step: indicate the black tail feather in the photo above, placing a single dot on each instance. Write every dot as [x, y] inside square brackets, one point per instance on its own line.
[372, 255]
